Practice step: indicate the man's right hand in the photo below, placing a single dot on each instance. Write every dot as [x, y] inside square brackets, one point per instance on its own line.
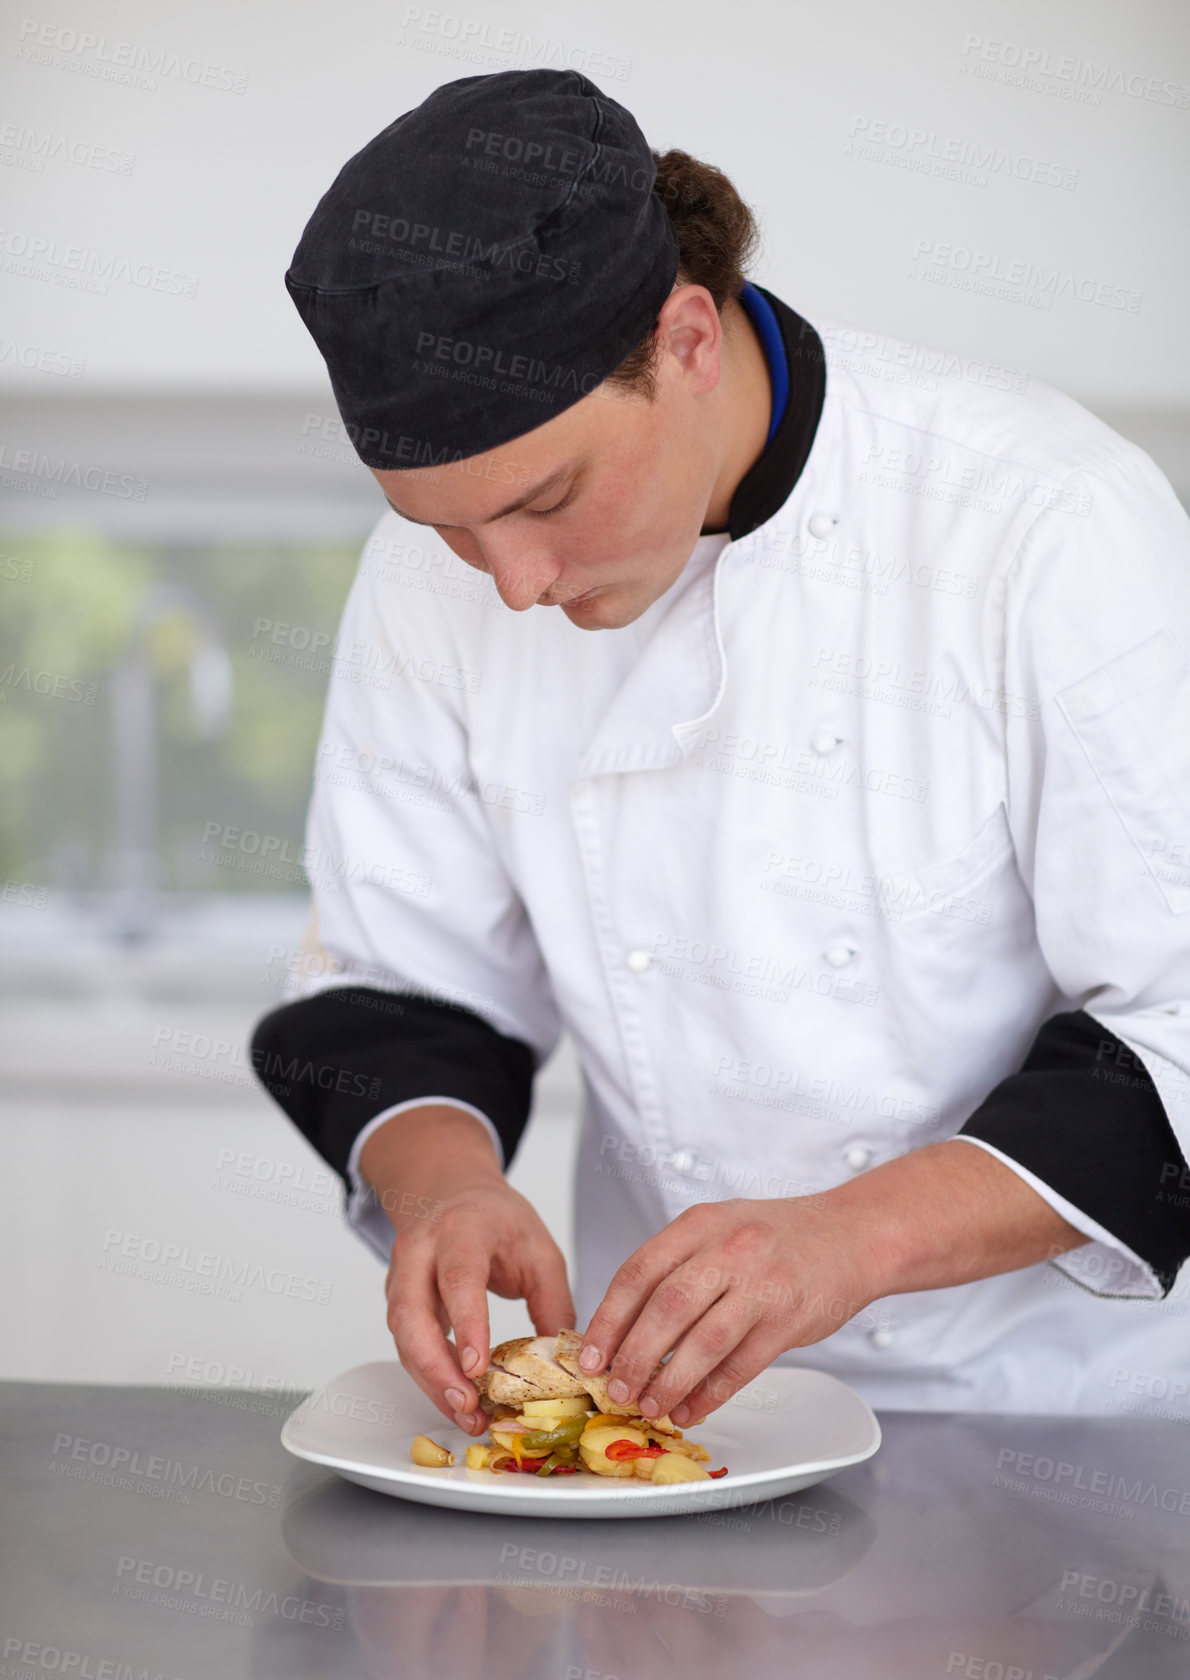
[478, 1234]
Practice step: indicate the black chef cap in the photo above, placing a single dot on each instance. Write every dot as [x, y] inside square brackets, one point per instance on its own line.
[482, 264]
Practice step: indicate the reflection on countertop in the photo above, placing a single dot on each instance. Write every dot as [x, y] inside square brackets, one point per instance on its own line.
[170, 1532]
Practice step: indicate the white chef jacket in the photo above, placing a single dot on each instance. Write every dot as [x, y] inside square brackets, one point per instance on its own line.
[804, 856]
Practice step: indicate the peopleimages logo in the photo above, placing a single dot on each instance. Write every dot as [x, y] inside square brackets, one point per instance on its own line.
[1071, 78]
[30, 148]
[127, 62]
[1020, 279]
[1128, 1596]
[204, 1270]
[971, 162]
[218, 1598]
[64, 1659]
[37, 358]
[51, 471]
[486, 361]
[374, 230]
[125, 1463]
[1095, 1485]
[84, 269]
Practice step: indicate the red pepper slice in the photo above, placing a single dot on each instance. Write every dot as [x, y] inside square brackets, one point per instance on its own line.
[529, 1466]
[715, 1474]
[619, 1451]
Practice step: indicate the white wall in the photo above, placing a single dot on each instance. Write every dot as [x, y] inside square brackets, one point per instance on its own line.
[222, 181]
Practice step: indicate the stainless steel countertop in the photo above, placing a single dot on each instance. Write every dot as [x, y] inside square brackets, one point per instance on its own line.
[167, 1533]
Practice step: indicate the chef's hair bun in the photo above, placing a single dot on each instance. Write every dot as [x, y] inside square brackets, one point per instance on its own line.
[717, 237]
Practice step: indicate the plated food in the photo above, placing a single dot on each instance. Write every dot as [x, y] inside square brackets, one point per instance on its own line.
[549, 1418]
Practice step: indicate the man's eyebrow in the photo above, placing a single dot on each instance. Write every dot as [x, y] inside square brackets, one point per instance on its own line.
[529, 496]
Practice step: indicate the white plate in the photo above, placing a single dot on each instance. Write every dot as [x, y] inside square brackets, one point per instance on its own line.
[791, 1428]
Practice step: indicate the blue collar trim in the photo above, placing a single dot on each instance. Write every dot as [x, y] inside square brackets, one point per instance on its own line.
[763, 318]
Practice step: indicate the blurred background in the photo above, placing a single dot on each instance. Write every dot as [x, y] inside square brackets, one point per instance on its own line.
[181, 515]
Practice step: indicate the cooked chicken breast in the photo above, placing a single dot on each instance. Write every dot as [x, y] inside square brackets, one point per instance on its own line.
[547, 1368]
[525, 1369]
[568, 1344]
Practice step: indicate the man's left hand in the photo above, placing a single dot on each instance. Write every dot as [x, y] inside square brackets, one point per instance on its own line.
[727, 1286]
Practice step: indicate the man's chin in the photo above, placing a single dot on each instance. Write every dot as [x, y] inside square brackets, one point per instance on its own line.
[589, 618]
[611, 609]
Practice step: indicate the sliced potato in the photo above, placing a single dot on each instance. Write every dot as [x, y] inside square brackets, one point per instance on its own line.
[662, 1429]
[575, 1407]
[676, 1467]
[477, 1457]
[644, 1467]
[690, 1448]
[428, 1453]
[592, 1444]
[603, 1434]
[604, 1466]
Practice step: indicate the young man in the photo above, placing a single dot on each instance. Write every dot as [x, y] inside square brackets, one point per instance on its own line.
[848, 851]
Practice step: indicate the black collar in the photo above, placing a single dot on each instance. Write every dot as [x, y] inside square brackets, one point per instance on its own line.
[768, 483]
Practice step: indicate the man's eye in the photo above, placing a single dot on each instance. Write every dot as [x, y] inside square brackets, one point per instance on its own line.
[544, 513]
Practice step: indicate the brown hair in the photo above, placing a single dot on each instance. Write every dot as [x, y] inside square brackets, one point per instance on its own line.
[717, 236]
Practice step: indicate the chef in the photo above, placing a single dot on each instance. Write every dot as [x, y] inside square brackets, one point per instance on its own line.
[799, 720]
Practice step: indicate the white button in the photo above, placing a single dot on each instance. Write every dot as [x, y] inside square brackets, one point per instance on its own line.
[839, 955]
[857, 1157]
[821, 524]
[683, 1161]
[638, 961]
[881, 1337]
[825, 742]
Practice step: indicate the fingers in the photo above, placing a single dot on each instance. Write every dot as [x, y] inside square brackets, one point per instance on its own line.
[747, 1359]
[415, 1318]
[438, 1281]
[627, 1293]
[709, 1341]
[683, 1305]
[547, 1295]
[462, 1276]
[682, 1301]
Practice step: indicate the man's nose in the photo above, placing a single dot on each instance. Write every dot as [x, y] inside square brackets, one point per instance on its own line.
[520, 572]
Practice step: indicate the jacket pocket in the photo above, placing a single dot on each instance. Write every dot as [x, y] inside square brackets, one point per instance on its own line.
[1132, 720]
[949, 887]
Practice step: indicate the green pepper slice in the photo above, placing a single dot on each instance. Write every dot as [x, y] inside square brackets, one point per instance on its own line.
[545, 1440]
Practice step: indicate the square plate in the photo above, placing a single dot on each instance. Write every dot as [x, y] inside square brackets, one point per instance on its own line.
[790, 1428]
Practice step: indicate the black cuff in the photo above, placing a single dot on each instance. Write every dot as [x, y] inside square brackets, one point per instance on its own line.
[335, 1060]
[1084, 1116]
